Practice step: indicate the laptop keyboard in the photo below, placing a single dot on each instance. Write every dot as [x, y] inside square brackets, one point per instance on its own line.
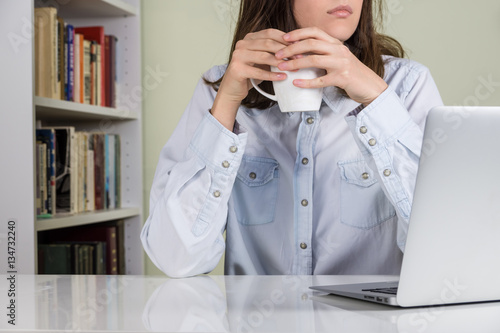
[391, 290]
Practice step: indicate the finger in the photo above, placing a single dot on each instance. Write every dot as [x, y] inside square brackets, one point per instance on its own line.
[317, 61]
[310, 32]
[319, 82]
[254, 58]
[267, 45]
[274, 34]
[308, 46]
[264, 75]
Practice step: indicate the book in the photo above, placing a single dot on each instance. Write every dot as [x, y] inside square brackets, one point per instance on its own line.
[99, 175]
[77, 70]
[70, 62]
[106, 172]
[82, 164]
[42, 175]
[110, 171]
[65, 167]
[118, 172]
[37, 182]
[96, 33]
[80, 257]
[98, 78]
[46, 55]
[120, 243]
[56, 258]
[93, 73]
[90, 182]
[96, 233]
[61, 37]
[86, 72]
[110, 78]
[47, 136]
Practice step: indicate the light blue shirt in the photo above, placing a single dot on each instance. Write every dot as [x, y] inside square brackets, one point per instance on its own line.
[326, 192]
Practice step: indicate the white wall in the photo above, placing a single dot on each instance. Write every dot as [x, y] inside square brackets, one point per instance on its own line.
[458, 40]
[181, 39]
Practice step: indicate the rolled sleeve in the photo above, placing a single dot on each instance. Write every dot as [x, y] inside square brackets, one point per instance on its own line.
[218, 148]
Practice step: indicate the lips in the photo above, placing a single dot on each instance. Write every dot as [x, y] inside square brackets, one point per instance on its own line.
[341, 11]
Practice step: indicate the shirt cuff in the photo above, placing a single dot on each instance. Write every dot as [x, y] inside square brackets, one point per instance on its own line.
[220, 149]
[379, 124]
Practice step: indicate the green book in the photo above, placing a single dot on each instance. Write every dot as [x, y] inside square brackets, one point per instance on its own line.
[56, 258]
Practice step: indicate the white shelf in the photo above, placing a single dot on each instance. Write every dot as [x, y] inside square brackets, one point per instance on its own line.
[23, 111]
[73, 220]
[48, 108]
[95, 8]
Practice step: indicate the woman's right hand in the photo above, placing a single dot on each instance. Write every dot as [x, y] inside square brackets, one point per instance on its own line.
[251, 58]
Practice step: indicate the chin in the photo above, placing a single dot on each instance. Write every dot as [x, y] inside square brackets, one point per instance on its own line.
[340, 34]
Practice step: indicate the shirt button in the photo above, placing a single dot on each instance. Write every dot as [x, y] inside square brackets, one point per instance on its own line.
[372, 142]
[216, 194]
[252, 175]
[304, 202]
[225, 164]
[305, 160]
[387, 172]
[365, 175]
[303, 246]
[233, 149]
[363, 129]
[310, 120]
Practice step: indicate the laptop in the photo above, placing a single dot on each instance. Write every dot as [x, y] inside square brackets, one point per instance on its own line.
[452, 252]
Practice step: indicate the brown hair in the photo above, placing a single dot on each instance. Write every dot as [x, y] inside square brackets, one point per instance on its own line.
[366, 43]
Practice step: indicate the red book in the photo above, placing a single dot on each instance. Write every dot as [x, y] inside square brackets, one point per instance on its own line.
[110, 79]
[97, 34]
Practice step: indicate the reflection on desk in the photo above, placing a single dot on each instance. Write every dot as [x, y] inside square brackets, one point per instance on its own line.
[222, 304]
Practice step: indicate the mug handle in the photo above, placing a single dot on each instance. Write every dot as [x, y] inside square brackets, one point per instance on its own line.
[272, 97]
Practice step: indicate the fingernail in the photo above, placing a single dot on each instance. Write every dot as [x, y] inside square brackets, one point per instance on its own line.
[286, 37]
[281, 75]
[279, 54]
[283, 66]
[298, 83]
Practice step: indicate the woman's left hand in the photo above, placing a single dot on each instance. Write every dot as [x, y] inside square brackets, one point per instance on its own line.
[343, 69]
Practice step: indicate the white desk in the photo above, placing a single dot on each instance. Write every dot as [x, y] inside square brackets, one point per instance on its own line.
[220, 304]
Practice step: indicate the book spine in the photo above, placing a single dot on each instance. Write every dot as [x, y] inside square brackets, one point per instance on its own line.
[118, 173]
[38, 191]
[99, 78]
[111, 171]
[93, 72]
[98, 170]
[82, 96]
[106, 171]
[43, 177]
[76, 68]
[53, 171]
[86, 71]
[70, 62]
[90, 180]
[107, 76]
[54, 65]
[74, 171]
[112, 63]
[60, 54]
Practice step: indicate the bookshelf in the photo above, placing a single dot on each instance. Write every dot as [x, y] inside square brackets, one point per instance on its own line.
[22, 111]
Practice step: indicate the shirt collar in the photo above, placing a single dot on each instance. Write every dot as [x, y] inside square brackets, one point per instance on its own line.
[334, 98]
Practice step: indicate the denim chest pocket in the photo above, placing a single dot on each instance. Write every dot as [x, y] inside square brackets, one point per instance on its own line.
[255, 190]
[363, 203]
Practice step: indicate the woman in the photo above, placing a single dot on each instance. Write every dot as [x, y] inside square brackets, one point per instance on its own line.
[325, 192]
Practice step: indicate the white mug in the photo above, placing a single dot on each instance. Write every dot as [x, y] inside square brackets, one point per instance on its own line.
[291, 98]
